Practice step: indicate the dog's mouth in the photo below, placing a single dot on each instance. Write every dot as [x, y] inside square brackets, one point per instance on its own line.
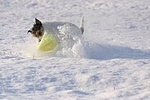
[29, 31]
[35, 34]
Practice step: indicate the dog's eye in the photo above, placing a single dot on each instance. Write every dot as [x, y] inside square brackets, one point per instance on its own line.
[33, 29]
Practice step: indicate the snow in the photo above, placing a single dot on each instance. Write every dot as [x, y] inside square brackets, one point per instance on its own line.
[110, 62]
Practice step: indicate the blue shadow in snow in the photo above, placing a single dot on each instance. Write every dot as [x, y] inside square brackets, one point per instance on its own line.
[106, 52]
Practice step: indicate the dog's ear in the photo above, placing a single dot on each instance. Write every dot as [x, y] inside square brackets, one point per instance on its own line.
[38, 21]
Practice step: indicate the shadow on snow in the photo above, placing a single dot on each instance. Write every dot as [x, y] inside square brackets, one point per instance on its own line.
[106, 52]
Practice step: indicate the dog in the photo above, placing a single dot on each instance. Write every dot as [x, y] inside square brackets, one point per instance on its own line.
[39, 28]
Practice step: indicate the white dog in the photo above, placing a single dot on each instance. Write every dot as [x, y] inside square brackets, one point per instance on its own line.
[55, 28]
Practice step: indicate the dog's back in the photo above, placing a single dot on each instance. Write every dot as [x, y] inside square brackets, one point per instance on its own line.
[54, 26]
[62, 28]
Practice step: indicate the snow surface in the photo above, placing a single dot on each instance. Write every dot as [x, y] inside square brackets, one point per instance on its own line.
[110, 62]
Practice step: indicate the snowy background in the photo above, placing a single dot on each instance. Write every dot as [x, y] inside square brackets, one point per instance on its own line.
[111, 62]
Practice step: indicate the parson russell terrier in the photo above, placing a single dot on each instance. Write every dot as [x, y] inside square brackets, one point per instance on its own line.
[38, 28]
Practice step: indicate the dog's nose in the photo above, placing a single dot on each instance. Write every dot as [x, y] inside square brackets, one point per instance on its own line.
[29, 31]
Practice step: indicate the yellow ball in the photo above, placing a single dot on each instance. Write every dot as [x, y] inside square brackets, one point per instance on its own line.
[47, 43]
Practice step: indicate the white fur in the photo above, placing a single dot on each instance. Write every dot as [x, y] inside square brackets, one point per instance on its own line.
[62, 30]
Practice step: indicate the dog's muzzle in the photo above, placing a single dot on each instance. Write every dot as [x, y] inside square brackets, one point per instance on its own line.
[29, 31]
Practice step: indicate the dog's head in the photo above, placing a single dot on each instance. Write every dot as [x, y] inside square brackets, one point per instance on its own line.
[37, 29]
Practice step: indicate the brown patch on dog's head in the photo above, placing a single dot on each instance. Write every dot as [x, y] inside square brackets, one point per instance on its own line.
[37, 29]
